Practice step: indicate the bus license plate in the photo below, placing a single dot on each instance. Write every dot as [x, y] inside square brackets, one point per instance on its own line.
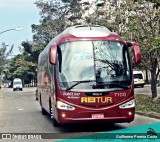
[98, 115]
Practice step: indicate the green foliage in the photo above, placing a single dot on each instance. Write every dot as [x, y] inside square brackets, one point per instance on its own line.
[3, 56]
[24, 65]
[53, 20]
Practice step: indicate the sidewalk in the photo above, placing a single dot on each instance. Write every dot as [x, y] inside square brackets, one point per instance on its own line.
[147, 115]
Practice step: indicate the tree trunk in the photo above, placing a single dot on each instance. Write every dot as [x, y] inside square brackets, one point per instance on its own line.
[153, 88]
[154, 78]
[147, 81]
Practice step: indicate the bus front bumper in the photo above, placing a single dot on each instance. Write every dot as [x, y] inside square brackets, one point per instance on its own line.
[113, 116]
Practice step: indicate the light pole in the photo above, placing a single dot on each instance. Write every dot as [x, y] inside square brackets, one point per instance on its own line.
[16, 29]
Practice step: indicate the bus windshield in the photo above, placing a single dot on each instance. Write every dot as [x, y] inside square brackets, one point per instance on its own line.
[94, 64]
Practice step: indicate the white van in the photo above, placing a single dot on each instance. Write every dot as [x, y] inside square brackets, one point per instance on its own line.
[138, 78]
[17, 84]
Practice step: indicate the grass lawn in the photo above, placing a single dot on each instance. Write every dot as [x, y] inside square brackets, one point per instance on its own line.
[145, 104]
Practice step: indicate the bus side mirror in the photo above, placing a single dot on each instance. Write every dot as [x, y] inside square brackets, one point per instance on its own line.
[136, 51]
[53, 53]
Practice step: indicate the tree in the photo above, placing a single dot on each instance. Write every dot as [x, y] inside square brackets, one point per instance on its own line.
[3, 58]
[4, 54]
[55, 17]
[144, 27]
[24, 65]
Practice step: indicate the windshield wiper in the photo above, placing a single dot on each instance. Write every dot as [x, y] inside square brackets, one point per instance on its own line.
[115, 84]
[78, 82]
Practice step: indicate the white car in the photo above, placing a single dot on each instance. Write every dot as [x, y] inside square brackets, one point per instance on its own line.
[17, 84]
[138, 78]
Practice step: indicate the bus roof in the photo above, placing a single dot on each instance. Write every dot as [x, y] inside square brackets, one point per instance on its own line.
[87, 31]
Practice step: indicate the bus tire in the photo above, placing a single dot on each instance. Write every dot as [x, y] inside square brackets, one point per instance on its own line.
[55, 123]
[50, 108]
[43, 111]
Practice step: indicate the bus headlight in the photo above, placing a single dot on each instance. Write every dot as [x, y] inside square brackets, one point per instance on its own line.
[64, 106]
[129, 104]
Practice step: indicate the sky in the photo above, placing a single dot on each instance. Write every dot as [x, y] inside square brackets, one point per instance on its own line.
[17, 13]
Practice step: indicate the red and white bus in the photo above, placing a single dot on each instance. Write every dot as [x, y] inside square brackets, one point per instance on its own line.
[85, 75]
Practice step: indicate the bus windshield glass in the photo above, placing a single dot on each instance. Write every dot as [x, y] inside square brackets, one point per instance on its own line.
[94, 64]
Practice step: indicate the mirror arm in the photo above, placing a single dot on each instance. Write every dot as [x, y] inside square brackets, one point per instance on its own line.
[129, 44]
[136, 51]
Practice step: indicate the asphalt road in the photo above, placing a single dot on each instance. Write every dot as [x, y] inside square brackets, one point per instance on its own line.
[21, 113]
[145, 90]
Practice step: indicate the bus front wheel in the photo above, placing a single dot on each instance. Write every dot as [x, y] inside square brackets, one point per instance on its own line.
[43, 111]
[55, 123]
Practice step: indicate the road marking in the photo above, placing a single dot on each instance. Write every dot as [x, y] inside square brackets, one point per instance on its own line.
[20, 109]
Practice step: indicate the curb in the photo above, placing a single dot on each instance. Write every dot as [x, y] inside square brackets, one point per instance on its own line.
[147, 115]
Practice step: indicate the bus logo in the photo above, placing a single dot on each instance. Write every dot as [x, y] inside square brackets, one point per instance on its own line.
[96, 100]
[97, 94]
